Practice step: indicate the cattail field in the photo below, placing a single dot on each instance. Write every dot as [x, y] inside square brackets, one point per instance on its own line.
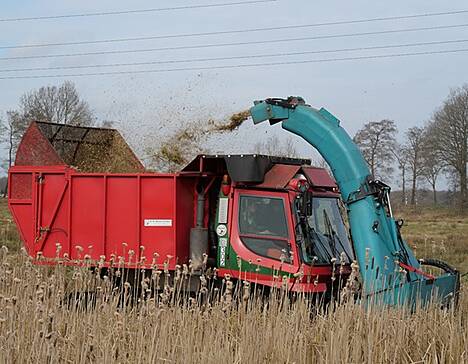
[59, 314]
[70, 314]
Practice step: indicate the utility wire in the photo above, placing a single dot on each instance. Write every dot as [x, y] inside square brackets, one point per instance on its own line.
[137, 11]
[220, 67]
[234, 57]
[213, 45]
[224, 32]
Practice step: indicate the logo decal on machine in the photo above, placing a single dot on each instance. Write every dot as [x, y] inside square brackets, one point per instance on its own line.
[158, 222]
[222, 251]
[221, 230]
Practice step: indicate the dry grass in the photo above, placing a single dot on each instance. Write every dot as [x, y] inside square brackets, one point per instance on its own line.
[440, 233]
[8, 233]
[37, 325]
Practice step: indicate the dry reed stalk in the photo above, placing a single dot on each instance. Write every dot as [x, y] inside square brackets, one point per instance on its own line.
[39, 324]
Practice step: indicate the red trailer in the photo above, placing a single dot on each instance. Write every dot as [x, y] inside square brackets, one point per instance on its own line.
[79, 194]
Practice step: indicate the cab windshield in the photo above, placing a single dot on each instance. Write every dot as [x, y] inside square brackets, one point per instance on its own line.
[326, 236]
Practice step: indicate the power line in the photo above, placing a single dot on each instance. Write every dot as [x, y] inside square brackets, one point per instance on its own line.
[266, 64]
[234, 57]
[137, 11]
[213, 45]
[235, 31]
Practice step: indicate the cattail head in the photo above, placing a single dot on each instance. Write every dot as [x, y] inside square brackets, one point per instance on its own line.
[239, 262]
[342, 258]
[316, 280]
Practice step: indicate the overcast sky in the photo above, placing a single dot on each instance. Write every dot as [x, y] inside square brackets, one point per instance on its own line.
[404, 89]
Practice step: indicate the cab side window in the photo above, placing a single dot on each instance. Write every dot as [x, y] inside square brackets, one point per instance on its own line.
[263, 226]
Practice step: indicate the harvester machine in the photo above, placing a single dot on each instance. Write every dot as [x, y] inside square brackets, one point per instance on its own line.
[80, 196]
[390, 272]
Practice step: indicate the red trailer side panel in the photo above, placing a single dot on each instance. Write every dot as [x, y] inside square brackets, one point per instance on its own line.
[158, 216]
[87, 216]
[51, 218]
[20, 189]
[121, 213]
[127, 216]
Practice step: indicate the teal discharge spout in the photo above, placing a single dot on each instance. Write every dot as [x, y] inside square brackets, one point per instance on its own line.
[390, 272]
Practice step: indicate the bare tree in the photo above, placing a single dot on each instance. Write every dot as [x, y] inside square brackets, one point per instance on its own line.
[15, 127]
[414, 148]
[12, 128]
[60, 104]
[450, 125]
[433, 164]
[401, 156]
[275, 147]
[3, 131]
[377, 140]
[3, 139]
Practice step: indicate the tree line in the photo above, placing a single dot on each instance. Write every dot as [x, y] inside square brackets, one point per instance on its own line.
[426, 153]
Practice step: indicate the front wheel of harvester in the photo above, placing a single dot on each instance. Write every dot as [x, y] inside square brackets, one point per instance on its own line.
[446, 268]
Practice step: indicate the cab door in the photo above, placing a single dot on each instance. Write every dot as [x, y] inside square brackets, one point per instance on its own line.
[262, 234]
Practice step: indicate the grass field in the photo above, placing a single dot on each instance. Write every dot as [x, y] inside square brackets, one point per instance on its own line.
[440, 233]
[37, 326]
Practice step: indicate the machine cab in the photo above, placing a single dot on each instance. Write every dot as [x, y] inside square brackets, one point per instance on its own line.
[292, 226]
[290, 222]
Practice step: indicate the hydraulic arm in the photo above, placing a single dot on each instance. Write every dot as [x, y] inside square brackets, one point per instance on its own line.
[390, 272]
